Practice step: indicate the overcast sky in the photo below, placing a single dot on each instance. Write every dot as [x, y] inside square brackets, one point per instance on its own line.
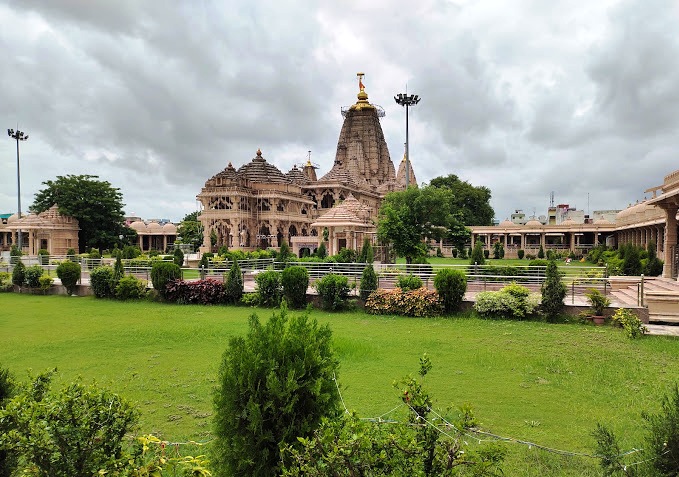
[527, 97]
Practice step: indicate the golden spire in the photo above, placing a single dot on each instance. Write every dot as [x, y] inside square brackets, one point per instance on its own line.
[308, 161]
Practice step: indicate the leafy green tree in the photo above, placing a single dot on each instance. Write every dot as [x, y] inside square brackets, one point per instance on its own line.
[473, 202]
[96, 204]
[553, 292]
[103, 282]
[498, 250]
[274, 386]
[477, 256]
[284, 254]
[408, 218]
[321, 251]
[190, 231]
[69, 274]
[74, 433]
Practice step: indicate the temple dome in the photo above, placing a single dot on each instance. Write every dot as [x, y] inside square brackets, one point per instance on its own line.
[533, 223]
[13, 218]
[296, 176]
[507, 223]
[138, 225]
[258, 170]
[169, 228]
[154, 228]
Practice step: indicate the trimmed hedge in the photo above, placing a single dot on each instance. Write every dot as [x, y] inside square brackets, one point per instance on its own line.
[201, 292]
[130, 288]
[409, 282]
[419, 302]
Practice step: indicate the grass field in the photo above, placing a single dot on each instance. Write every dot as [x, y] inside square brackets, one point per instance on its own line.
[544, 383]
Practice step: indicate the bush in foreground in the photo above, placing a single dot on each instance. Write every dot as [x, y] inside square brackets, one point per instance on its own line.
[350, 446]
[275, 385]
[451, 286]
[19, 274]
[409, 282]
[75, 433]
[32, 276]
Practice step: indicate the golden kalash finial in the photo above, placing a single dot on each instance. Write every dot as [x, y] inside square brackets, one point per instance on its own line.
[362, 95]
[259, 152]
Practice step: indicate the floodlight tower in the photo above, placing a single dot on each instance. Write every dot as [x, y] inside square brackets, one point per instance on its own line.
[19, 136]
[407, 100]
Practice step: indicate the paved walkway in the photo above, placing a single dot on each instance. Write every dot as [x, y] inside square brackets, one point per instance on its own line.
[666, 330]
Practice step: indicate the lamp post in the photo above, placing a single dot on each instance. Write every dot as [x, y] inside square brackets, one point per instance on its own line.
[407, 100]
[19, 136]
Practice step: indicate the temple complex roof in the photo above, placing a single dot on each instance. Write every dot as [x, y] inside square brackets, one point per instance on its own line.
[258, 170]
[349, 212]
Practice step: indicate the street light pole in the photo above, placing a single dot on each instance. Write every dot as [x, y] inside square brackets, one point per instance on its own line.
[407, 100]
[19, 136]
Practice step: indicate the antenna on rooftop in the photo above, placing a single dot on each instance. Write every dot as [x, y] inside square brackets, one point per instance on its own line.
[551, 199]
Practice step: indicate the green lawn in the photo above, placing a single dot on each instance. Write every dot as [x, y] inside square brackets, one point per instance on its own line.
[548, 384]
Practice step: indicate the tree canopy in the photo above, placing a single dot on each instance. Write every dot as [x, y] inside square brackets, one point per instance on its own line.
[472, 202]
[407, 217]
[96, 204]
[190, 230]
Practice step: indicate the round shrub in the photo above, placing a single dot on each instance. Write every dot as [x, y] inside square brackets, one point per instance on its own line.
[333, 290]
[130, 288]
[44, 256]
[368, 282]
[451, 286]
[269, 288]
[162, 273]
[69, 274]
[45, 282]
[19, 274]
[409, 282]
[32, 276]
[295, 281]
[520, 253]
[419, 302]
[103, 282]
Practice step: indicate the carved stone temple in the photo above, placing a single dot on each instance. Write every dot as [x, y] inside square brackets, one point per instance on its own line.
[259, 206]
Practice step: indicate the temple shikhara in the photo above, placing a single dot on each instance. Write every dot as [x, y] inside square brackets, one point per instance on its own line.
[259, 206]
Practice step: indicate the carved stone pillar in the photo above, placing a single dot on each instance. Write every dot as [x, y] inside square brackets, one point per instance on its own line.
[670, 241]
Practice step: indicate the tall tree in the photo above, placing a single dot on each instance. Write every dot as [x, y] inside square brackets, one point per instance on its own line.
[190, 230]
[408, 218]
[96, 204]
[472, 202]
